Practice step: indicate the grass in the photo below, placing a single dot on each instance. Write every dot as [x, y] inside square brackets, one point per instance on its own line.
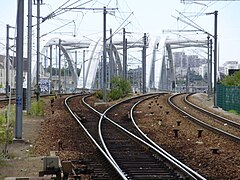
[234, 112]
[37, 108]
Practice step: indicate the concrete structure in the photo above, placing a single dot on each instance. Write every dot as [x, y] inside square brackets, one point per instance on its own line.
[161, 64]
[230, 65]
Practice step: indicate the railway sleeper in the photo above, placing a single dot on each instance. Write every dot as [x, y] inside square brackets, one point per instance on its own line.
[150, 176]
[148, 170]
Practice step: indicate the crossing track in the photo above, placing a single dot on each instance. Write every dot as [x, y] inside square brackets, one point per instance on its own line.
[205, 118]
[126, 149]
[101, 165]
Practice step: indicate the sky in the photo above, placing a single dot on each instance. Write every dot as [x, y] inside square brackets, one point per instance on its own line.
[138, 17]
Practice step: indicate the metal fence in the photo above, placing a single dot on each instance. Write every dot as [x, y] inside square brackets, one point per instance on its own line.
[228, 97]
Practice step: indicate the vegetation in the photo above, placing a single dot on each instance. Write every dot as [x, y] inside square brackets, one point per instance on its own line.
[234, 112]
[193, 76]
[6, 135]
[233, 80]
[120, 88]
[37, 108]
[99, 94]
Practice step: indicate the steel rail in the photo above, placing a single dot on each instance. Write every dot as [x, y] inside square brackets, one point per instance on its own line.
[76, 117]
[102, 116]
[183, 169]
[201, 123]
[187, 169]
[220, 118]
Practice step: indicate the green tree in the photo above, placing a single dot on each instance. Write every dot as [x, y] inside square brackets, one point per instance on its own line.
[233, 80]
[120, 88]
[194, 77]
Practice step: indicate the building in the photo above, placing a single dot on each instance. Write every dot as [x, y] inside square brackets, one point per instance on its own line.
[12, 72]
[230, 65]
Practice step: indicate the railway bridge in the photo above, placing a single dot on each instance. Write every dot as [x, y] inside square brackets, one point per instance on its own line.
[160, 73]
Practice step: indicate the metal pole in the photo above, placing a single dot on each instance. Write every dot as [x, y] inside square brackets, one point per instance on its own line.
[144, 63]
[111, 58]
[83, 69]
[152, 76]
[126, 63]
[104, 54]
[38, 49]
[76, 60]
[123, 75]
[7, 62]
[208, 74]
[51, 83]
[215, 58]
[210, 66]
[139, 79]
[19, 73]
[124, 55]
[101, 76]
[29, 73]
[65, 78]
[45, 62]
[59, 66]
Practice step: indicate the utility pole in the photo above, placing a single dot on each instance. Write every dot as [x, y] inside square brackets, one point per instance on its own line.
[187, 79]
[38, 49]
[19, 73]
[51, 69]
[7, 61]
[111, 58]
[210, 56]
[29, 55]
[59, 67]
[144, 63]
[215, 58]
[152, 75]
[124, 55]
[104, 55]
[83, 66]
[208, 60]
[65, 78]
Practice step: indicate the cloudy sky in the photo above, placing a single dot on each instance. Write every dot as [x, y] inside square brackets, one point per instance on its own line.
[138, 17]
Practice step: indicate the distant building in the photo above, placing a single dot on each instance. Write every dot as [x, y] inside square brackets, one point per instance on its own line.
[230, 65]
[12, 72]
[182, 60]
[203, 70]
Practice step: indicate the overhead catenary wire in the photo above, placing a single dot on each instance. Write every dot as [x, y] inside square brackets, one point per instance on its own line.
[62, 10]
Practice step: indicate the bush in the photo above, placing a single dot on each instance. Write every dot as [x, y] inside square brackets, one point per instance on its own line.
[37, 108]
[233, 80]
[99, 94]
[120, 88]
[234, 112]
[3, 125]
[115, 94]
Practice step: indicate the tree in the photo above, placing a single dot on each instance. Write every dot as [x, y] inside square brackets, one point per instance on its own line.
[233, 80]
[120, 88]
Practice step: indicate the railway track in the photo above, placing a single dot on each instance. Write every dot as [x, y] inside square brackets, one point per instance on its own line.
[102, 167]
[124, 148]
[205, 118]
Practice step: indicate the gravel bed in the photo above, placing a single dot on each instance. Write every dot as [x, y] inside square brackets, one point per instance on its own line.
[179, 101]
[159, 121]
